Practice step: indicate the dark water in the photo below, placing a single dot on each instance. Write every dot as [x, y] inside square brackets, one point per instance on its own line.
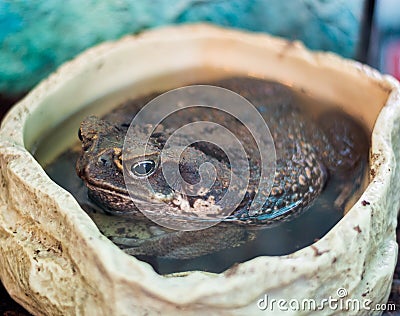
[282, 239]
[279, 240]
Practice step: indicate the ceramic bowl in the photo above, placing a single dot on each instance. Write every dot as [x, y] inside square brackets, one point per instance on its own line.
[55, 261]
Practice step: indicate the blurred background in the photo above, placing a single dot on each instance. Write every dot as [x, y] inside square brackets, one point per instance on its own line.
[38, 36]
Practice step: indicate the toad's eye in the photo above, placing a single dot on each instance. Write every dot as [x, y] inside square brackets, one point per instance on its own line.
[143, 168]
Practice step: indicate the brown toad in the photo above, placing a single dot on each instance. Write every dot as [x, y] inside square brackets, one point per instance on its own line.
[307, 151]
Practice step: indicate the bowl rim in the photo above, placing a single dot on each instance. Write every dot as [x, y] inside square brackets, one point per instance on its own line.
[199, 283]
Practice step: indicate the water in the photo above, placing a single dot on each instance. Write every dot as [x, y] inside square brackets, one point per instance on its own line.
[282, 239]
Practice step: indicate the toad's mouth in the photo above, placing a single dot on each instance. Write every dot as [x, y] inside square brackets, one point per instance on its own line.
[94, 185]
[174, 205]
[119, 197]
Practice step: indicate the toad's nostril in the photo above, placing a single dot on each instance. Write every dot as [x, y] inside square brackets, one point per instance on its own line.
[104, 161]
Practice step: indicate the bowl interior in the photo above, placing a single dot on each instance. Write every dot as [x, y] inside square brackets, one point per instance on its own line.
[110, 74]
